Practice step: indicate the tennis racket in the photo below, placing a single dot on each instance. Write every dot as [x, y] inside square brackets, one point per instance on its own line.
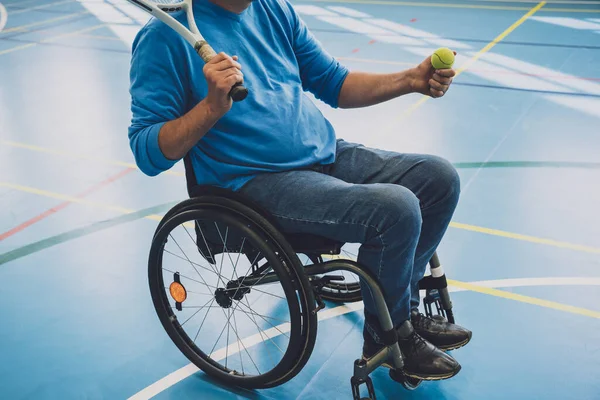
[161, 10]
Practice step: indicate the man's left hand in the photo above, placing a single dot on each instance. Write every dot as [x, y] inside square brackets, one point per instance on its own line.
[429, 81]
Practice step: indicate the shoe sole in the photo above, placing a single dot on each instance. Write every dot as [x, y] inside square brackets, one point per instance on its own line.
[455, 346]
[423, 377]
[433, 377]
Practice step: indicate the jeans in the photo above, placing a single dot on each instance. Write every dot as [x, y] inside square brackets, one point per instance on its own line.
[397, 206]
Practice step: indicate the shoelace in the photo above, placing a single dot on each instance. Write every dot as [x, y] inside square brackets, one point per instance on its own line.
[416, 342]
[422, 321]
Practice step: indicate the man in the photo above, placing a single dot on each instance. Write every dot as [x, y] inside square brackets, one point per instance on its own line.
[277, 148]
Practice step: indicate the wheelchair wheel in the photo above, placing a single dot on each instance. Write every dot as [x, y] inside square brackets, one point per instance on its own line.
[231, 294]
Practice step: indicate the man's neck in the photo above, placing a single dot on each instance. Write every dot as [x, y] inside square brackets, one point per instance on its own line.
[235, 6]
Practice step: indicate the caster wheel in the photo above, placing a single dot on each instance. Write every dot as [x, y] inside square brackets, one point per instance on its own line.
[406, 381]
[411, 383]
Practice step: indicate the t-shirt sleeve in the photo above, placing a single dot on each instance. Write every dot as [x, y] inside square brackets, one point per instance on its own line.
[321, 73]
[158, 82]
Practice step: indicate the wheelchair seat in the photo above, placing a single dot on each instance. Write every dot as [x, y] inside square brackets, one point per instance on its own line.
[313, 244]
[301, 242]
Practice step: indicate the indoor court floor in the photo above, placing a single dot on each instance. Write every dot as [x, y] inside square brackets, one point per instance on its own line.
[521, 123]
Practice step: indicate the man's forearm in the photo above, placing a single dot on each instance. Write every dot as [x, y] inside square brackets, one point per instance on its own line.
[362, 89]
[178, 136]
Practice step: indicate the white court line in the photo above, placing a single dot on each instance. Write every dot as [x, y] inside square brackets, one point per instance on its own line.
[349, 12]
[18, 11]
[140, 16]
[3, 17]
[313, 10]
[547, 1]
[190, 369]
[568, 22]
[355, 25]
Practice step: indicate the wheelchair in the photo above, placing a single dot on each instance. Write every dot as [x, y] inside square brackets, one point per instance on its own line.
[290, 275]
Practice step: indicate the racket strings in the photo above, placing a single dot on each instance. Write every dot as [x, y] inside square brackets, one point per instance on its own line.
[166, 2]
[170, 6]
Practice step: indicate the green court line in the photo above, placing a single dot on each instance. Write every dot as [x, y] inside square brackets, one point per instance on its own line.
[466, 165]
[527, 164]
[80, 232]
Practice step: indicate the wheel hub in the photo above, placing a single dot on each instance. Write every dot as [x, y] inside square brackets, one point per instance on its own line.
[222, 298]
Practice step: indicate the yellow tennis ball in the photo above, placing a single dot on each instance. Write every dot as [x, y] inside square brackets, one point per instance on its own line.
[442, 58]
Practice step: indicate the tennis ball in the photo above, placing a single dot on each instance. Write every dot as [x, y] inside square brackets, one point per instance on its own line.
[442, 58]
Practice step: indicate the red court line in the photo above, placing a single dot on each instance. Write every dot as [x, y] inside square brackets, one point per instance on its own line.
[358, 48]
[64, 204]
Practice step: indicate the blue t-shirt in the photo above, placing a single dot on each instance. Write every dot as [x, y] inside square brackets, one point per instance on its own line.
[276, 128]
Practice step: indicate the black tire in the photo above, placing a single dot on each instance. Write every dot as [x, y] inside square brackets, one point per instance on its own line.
[283, 262]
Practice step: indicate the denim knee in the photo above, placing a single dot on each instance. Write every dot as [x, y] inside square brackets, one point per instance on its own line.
[445, 181]
[398, 208]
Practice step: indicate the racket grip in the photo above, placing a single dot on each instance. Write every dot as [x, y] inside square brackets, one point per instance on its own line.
[238, 92]
[206, 52]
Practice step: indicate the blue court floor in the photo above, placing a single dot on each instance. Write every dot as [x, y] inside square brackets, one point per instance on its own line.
[521, 123]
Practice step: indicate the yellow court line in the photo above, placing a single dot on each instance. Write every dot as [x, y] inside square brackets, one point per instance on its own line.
[524, 299]
[80, 156]
[526, 238]
[499, 38]
[52, 39]
[454, 5]
[473, 59]
[22, 2]
[71, 199]
[46, 21]
[21, 47]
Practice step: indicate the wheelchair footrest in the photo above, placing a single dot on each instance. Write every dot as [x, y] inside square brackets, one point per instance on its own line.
[433, 304]
[438, 307]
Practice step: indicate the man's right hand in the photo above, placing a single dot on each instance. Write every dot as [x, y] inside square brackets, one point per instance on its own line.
[178, 136]
[221, 72]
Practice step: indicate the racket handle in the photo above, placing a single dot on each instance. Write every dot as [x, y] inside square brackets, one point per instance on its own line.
[238, 92]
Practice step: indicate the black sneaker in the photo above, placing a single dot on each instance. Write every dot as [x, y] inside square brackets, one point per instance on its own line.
[439, 332]
[422, 360]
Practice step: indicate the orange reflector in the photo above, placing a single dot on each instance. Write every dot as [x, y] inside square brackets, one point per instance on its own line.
[178, 292]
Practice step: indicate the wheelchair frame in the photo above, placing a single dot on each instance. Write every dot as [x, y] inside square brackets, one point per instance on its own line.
[390, 353]
[435, 285]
